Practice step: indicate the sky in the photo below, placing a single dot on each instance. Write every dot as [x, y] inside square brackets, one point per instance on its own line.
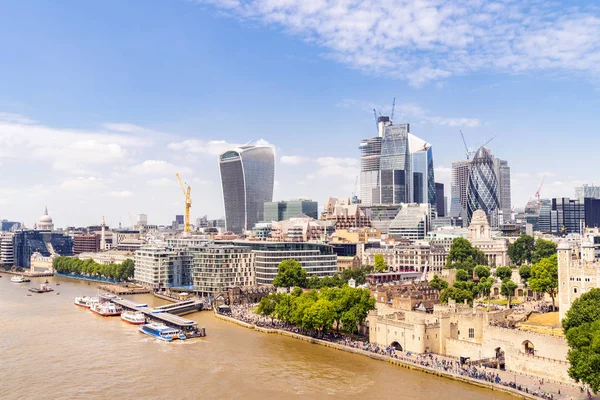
[102, 102]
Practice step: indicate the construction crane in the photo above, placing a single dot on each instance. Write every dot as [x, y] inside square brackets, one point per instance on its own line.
[187, 193]
[537, 194]
[468, 151]
[486, 143]
[376, 123]
[393, 109]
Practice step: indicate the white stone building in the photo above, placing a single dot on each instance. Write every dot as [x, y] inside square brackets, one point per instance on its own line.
[480, 236]
[578, 272]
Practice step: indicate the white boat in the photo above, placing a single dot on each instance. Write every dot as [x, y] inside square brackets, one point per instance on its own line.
[19, 279]
[106, 309]
[161, 332]
[135, 318]
[85, 301]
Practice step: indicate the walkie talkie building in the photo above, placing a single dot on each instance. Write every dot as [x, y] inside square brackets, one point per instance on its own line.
[247, 179]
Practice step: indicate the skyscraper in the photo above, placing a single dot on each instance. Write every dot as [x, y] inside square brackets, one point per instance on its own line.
[458, 189]
[247, 179]
[440, 199]
[482, 190]
[503, 176]
[585, 190]
[396, 167]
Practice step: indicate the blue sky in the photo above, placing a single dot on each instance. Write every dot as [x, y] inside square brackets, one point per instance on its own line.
[102, 102]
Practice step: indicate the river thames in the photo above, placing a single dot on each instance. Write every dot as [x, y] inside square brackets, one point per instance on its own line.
[52, 349]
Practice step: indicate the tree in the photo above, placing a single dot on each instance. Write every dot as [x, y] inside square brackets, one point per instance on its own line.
[521, 250]
[267, 305]
[482, 272]
[320, 316]
[462, 275]
[508, 289]
[525, 272]
[467, 285]
[544, 277]
[379, 263]
[438, 283]
[504, 273]
[485, 287]
[459, 295]
[463, 255]
[543, 249]
[289, 274]
[582, 330]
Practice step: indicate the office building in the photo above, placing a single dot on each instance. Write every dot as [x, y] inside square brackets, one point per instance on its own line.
[504, 195]
[381, 215]
[86, 243]
[9, 226]
[440, 200]
[158, 267]
[7, 254]
[567, 216]
[219, 267]
[458, 189]
[344, 214]
[412, 222]
[592, 212]
[46, 243]
[281, 210]
[482, 190]
[247, 179]
[396, 167]
[590, 191]
[142, 220]
[179, 219]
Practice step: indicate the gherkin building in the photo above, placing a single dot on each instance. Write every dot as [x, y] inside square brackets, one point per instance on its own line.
[482, 190]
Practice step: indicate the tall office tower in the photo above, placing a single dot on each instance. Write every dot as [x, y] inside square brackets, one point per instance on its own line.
[282, 210]
[247, 179]
[440, 199]
[482, 190]
[458, 189]
[503, 176]
[567, 216]
[590, 191]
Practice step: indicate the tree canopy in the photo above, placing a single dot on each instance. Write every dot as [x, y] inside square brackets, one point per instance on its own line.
[379, 263]
[508, 289]
[462, 275]
[463, 255]
[544, 277]
[582, 330]
[485, 287]
[482, 271]
[438, 283]
[525, 272]
[459, 295]
[289, 274]
[526, 250]
[504, 273]
[345, 307]
[75, 266]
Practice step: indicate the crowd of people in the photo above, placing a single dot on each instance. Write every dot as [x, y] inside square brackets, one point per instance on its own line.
[245, 314]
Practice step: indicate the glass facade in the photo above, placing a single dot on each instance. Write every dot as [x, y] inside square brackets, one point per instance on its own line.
[247, 179]
[567, 216]
[395, 165]
[370, 155]
[25, 243]
[282, 210]
[482, 191]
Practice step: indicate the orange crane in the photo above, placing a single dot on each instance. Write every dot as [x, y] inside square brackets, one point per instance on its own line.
[187, 193]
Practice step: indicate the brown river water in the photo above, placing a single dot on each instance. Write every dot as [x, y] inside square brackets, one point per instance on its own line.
[52, 349]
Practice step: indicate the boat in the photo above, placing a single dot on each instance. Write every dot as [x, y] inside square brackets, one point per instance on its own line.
[42, 289]
[106, 309]
[85, 301]
[19, 279]
[160, 331]
[135, 318]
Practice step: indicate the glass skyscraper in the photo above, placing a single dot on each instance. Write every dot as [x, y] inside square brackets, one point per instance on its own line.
[483, 190]
[396, 167]
[247, 179]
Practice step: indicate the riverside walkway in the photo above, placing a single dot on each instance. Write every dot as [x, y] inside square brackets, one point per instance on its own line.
[513, 382]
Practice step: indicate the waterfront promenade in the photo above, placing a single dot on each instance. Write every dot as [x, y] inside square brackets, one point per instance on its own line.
[494, 379]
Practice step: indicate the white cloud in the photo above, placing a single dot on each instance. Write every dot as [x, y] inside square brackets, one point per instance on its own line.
[210, 147]
[123, 193]
[162, 182]
[15, 118]
[421, 41]
[123, 127]
[336, 161]
[82, 182]
[293, 160]
[158, 167]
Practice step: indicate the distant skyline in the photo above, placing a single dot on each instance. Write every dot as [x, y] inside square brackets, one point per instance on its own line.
[102, 103]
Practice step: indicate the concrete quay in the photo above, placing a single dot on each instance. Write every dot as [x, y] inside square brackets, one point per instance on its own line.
[123, 290]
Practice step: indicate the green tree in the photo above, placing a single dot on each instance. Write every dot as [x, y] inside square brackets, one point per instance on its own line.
[582, 330]
[289, 274]
[508, 289]
[320, 316]
[482, 271]
[525, 272]
[463, 255]
[358, 274]
[438, 283]
[485, 287]
[379, 263]
[459, 295]
[543, 249]
[285, 306]
[504, 273]
[521, 250]
[544, 277]
[462, 275]
[266, 306]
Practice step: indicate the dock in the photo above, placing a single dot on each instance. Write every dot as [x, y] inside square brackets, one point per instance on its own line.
[164, 315]
[123, 290]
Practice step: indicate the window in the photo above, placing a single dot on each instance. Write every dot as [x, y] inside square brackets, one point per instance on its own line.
[471, 333]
